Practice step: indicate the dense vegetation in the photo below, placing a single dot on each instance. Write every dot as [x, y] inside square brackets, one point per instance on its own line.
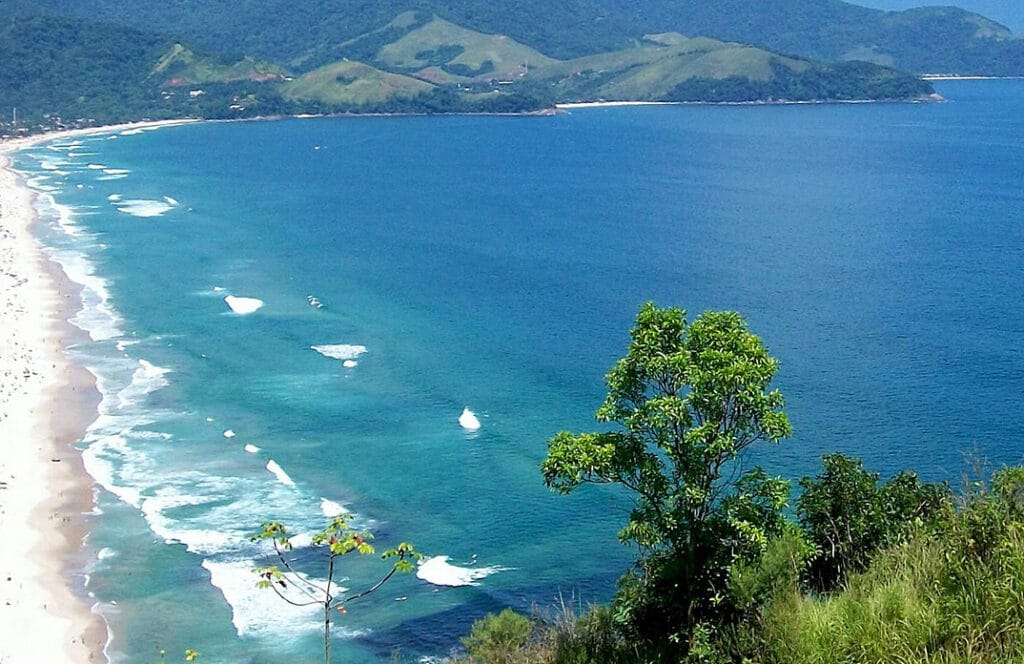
[311, 33]
[844, 81]
[63, 71]
[928, 39]
[308, 35]
[867, 571]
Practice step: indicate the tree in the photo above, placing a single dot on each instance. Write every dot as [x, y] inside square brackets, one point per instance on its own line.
[688, 400]
[336, 540]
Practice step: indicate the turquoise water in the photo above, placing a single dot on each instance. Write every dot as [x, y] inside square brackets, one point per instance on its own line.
[496, 264]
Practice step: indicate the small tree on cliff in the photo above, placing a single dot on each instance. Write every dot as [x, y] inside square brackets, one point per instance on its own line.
[688, 401]
[336, 540]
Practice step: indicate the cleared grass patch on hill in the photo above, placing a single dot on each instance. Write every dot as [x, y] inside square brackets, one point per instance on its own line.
[183, 66]
[352, 84]
[460, 52]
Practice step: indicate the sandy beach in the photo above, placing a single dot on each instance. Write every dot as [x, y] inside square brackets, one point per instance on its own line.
[46, 403]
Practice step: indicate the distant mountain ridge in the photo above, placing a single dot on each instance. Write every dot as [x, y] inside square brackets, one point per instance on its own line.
[307, 35]
[62, 69]
[922, 40]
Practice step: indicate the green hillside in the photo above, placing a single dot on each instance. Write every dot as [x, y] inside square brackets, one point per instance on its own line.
[60, 71]
[64, 70]
[352, 84]
[670, 67]
[310, 32]
[181, 66]
[451, 52]
[924, 40]
[309, 35]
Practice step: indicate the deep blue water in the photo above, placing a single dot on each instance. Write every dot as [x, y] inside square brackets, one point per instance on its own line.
[497, 263]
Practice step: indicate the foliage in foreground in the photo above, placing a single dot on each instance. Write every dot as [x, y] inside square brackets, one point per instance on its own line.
[948, 593]
[338, 539]
[687, 403]
[896, 571]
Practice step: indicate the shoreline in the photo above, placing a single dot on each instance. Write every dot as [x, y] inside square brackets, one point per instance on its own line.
[47, 403]
[569, 106]
[957, 77]
[9, 144]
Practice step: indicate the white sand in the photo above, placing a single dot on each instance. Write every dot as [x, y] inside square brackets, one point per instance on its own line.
[45, 403]
[613, 104]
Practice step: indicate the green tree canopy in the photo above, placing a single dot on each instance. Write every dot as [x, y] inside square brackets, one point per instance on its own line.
[687, 401]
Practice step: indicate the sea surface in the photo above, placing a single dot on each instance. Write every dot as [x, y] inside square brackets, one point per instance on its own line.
[496, 264]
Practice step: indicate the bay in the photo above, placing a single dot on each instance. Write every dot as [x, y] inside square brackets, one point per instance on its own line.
[496, 263]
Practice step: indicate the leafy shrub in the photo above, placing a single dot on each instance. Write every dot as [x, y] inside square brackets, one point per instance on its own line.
[595, 637]
[496, 639]
[848, 517]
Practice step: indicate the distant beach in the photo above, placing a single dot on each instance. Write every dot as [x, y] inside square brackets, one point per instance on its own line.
[46, 402]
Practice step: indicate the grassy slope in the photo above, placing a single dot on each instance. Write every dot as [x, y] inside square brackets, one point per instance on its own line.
[475, 49]
[650, 71]
[926, 39]
[352, 83]
[77, 69]
[182, 63]
[662, 67]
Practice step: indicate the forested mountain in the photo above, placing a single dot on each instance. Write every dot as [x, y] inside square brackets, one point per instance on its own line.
[62, 70]
[309, 34]
[308, 31]
[923, 40]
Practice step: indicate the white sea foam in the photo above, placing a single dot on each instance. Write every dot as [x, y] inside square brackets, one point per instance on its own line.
[252, 449]
[196, 536]
[48, 166]
[97, 167]
[243, 305]
[331, 508]
[439, 572]
[301, 540]
[340, 351]
[147, 378]
[103, 454]
[105, 553]
[171, 201]
[259, 612]
[349, 364]
[142, 207]
[96, 316]
[150, 435]
[468, 420]
[229, 434]
[116, 171]
[113, 198]
[279, 473]
[124, 343]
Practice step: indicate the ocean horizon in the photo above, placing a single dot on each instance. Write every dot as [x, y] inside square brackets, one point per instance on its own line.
[290, 320]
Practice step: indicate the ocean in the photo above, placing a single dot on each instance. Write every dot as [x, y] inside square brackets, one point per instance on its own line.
[286, 320]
